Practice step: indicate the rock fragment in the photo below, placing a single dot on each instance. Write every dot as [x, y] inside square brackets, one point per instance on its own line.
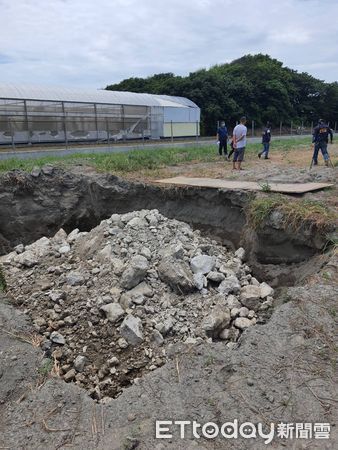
[202, 264]
[75, 279]
[242, 323]
[70, 375]
[216, 321]
[135, 272]
[229, 285]
[113, 312]
[57, 338]
[266, 290]
[79, 363]
[216, 277]
[177, 275]
[56, 296]
[131, 330]
[48, 169]
[240, 253]
[250, 297]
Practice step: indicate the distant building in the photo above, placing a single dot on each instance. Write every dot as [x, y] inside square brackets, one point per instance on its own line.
[32, 114]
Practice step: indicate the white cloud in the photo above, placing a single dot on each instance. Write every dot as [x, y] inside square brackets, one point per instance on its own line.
[290, 37]
[86, 43]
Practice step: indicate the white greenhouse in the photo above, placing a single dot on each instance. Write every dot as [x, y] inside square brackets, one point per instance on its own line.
[31, 114]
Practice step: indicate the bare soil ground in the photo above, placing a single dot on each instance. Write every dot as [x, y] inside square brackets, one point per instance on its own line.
[254, 168]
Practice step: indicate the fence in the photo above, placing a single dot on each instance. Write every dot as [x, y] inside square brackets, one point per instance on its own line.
[285, 128]
[75, 128]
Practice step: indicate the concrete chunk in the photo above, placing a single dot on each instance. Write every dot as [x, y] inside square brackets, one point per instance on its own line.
[131, 330]
[202, 264]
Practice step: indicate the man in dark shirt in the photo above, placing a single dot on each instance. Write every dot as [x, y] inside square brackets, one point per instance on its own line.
[320, 139]
[222, 138]
[266, 138]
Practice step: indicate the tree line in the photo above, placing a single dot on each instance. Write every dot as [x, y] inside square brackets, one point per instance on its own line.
[257, 86]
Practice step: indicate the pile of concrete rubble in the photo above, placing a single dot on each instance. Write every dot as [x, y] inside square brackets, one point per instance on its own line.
[109, 303]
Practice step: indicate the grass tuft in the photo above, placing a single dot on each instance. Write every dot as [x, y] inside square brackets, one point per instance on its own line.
[294, 213]
[46, 367]
[266, 187]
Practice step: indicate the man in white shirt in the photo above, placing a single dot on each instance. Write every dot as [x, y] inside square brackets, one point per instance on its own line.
[239, 140]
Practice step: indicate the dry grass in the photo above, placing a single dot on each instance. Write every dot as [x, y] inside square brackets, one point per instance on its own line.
[55, 372]
[33, 339]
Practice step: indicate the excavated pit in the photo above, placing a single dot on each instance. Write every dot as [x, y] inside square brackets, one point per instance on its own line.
[39, 205]
[108, 304]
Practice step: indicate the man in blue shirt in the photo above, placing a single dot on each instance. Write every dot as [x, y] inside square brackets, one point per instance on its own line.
[266, 138]
[320, 139]
[222, 138]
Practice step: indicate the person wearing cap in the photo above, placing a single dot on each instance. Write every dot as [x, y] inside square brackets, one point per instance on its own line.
[222, 139]
[320, 139]
[266, 138]
[239, 142]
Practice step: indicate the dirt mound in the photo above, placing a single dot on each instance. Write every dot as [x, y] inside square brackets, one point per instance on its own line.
[110, 303]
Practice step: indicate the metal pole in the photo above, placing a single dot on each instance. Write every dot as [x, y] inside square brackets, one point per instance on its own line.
[172, 131]
[149, 120]
[29, 139]
[96, 124]
[107, 129]
[123, 123]
[280, 128]
[12, 132]
[65, 123]
[196, 130]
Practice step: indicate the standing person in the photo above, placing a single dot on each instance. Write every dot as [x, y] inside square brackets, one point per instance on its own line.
[222, 138]
[239, 140]
[320, 139]
[266, 138]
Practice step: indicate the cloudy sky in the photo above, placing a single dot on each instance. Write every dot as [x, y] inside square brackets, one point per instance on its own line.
[91, 43]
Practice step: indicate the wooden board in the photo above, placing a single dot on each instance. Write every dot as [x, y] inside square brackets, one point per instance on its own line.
[286, 188]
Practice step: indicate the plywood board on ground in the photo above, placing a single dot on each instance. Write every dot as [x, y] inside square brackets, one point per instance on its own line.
[286, 188]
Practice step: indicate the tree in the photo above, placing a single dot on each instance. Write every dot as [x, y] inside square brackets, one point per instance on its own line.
[255, 85]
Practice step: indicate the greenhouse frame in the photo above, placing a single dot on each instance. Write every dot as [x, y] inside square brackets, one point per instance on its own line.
[30, 115]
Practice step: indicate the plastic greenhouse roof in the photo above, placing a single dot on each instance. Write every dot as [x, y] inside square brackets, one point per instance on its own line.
[43, 93]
